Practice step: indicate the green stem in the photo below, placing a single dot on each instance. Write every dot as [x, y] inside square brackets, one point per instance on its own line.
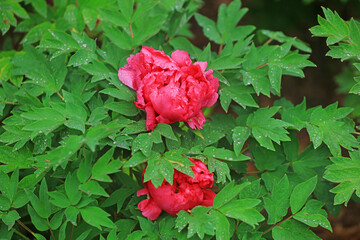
[21, 235]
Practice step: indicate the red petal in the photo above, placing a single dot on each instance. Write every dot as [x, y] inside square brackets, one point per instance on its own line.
[149, 209]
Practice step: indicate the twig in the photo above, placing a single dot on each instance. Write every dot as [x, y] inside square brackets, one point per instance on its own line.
[268, 41]
[131, 31]
[21, 235]
[263, 65]
[62, 98]
[25, 227]
[277, 225]
[51, 232]
[220, 48]
[71, 232]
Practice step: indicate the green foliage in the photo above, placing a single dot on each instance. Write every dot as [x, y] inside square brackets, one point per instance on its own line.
[74, 146]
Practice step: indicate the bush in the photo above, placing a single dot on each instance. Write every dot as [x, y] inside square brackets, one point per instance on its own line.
[74, 145]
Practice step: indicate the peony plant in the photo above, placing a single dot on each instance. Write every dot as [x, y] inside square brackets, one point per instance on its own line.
[115, 125]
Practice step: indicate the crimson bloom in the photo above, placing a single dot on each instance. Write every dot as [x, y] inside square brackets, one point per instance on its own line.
[170, 89]
[185, 193]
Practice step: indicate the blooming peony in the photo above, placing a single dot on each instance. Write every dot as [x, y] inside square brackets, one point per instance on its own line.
[170, 89]
[185, 193]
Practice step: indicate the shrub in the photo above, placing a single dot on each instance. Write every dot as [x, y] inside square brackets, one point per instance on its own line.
[74, 145]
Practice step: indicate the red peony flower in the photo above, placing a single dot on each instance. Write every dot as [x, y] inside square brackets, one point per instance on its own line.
[170, 89]
[185, 193]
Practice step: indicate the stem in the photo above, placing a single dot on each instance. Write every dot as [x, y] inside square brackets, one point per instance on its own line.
[181, 165]
[71, 232]
[268, 41]
[25, 227]
[13, 103]
[62, 98]
[263, 65]
[51, 232]
[277, 224]
[236, 227]
[131, 31]
[358, 133]
[220, 48]
[21, 235]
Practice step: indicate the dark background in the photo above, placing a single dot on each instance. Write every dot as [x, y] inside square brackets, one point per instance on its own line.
[294, 18]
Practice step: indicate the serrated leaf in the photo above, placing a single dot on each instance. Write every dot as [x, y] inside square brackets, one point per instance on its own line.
[332, 27]
[209, 28]
[266, 129]
[199, 222]
[104, 166]
[158, 169]
[346, 172]
[277, 205]
[313, 216]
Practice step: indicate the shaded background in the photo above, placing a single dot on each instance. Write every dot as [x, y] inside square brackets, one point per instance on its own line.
[294, 18]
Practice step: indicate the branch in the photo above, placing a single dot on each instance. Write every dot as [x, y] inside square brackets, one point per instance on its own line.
[277, 224]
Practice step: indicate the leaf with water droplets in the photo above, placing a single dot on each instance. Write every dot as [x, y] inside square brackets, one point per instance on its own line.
[200, 222]
[158, 169]
[313, 215]
[293, 230]
[81, 57]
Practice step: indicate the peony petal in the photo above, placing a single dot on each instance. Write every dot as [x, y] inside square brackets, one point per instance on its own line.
[127, 76]
[149, 209]
[209, 196]
[150, 117]
[197, 121]
[181, 58]
[202, 65]
[141, 192]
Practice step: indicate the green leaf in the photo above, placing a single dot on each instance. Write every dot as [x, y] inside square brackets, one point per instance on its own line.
[277, 205]
[158, 169]
[40, 6]
[199, 222]
[10, 217]
[293, 230]
[243, 210]
[59, 199]
[225, 154]
[103, 167]
[166, 131]
[71, 214]
[72, 188]
[296, 115]
[95, 134]
[81, 57]
[5, 203]
[222, 226]
[222, 169]
[126, 7]
[332, 27]
[124, 108]
[327, 125]
[265, 159]
[96, 217]
[313, 216]
[229, 192]
[41, 204]
[209, 28]
[122, 93]
[240, 135]
[266, 129]
[11, 160]
[346, 172]
[39, 223]
[74, 17]
[92, 187]
[301, 193]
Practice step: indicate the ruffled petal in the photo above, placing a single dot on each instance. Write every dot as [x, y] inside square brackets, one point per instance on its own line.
[127, 76]
[150, 117]
[149, 209]
[209, 196]
[181, 58]
[141, 192]
[202, 65]
[197, 121]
